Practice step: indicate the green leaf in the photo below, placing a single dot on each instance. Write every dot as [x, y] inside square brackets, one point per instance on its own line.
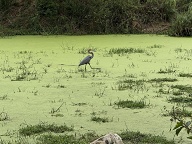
[178, 130]
[189, 137]
[179, 124]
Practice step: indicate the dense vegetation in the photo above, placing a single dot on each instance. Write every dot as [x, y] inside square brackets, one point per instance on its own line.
[96, 17]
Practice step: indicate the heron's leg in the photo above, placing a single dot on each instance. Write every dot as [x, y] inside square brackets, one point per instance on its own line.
[85, 66]
[90, 65]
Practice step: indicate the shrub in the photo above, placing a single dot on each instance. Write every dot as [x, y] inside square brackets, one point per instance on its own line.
[182, 25]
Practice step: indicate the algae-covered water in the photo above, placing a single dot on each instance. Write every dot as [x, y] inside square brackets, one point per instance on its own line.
[40, 81]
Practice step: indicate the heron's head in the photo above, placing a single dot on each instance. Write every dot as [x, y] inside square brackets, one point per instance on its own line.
[90, 50]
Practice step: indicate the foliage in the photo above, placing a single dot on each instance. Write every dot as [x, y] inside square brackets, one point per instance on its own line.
[55, 139]
[182, 26]
[183, 5]
[131, 104]
[181, 99]
[127, 136]
[42, 128]
[122, 51]
[163, 80]
[185, 75]
[183, 88]
[5, 4]
[181, 122]
[100, 119]
[131, 84]
[90, 16]
[138, 137]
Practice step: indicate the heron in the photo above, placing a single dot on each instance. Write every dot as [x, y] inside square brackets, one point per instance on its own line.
[87, 59]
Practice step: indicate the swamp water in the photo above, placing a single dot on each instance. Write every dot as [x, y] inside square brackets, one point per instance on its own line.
[40, 81]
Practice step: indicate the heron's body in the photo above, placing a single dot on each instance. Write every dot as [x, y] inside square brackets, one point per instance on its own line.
[87, 59]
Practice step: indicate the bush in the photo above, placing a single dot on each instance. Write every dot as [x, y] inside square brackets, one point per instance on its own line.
[94, 16]
[5, 4]
[182, 25]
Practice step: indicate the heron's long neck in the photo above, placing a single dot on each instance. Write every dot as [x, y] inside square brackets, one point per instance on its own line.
[92, 54]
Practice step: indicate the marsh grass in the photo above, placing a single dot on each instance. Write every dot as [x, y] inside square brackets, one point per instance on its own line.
[184, 54]
[66, 47]
[127, 136]
[150, 53]
[6, 68]
[131, 104]
[78, 112]
[58, 115]
[177, 93]
[4, 97]
[4, 116]
[185, 75]
[155, 46]
[166, 70]
[25, 72]
[83, 51]
[59, 139]
[121, 51]
[100, 119]
[68, 139]
[163, 80]
[79, 104]
[129, 75]
[183, 88]
[177, 112]
[181, 99]
[43, 128]
[54, 110]
[140, 138]
[132, 84]
[100, 92]
[163, 91]
[61, 86]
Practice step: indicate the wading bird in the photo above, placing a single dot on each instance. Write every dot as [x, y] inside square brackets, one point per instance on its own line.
[87, 59]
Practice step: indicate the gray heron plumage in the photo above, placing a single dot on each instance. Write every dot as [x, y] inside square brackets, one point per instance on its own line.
[87, 59]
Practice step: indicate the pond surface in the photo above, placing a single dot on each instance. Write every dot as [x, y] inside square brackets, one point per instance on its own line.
[38, 74]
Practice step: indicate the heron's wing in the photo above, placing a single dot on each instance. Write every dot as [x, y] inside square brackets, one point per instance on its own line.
[86, 60]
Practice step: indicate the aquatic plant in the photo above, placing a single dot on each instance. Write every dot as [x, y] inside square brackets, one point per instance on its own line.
[183, 88]
[176, 111]
[42, 128]
[185, 75]
[166, 70]
[132, 84]
[4, 97]
[121, 51]
[61, 86]
[53, 110]
[177, 93]
[181, 99]
[100, 92]
[25, 72]
[138, 137]
[100, 119]
[178, 115]
[4, 116]
[155, 46]
[131, 104]
[163, 80]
